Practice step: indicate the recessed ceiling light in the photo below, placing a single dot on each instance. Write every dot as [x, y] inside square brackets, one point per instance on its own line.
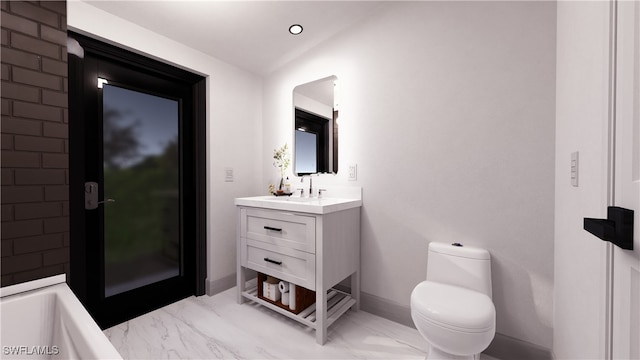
[295, 29]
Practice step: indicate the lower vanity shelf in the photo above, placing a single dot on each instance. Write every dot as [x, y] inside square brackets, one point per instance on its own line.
[338, 303]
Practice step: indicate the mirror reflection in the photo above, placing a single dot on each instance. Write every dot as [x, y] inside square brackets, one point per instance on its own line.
[315, 145]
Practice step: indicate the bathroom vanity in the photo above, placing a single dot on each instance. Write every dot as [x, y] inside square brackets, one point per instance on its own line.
[309, 242]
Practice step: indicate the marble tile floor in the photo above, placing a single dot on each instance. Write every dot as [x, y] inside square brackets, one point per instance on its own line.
[217, 327]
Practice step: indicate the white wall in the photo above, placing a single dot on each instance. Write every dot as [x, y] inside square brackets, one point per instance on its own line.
[448, 110]
[581, 125]
[233, 122]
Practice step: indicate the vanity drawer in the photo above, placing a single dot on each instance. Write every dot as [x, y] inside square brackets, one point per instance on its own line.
[290, 265]
[280, 228]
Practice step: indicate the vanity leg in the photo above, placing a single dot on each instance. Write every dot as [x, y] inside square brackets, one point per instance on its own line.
[355, 290]
[241, 277]
[241, 284]
[321, 317]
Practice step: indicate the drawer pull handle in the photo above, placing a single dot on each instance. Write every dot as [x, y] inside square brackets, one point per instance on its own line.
[273, 261]
[272, 228]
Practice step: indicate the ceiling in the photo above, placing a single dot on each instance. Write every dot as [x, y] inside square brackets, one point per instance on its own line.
[252, 35]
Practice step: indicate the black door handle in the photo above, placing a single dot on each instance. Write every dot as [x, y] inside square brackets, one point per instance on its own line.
[617, 228]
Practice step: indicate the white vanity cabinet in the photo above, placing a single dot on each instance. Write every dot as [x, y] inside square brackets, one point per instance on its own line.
[315, 245]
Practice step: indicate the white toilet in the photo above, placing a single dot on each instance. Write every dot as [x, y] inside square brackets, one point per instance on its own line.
[452, 309]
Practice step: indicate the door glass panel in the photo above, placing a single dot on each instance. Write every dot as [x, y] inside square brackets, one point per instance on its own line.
[141, 173]
[306, 152]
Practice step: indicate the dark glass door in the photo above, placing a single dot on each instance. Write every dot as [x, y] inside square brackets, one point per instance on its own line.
[137, 228]
[141, 182]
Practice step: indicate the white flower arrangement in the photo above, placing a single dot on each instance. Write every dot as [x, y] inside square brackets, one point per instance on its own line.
[281, 160]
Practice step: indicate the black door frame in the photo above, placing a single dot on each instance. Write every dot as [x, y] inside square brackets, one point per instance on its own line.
[83, 277]
[318, 125]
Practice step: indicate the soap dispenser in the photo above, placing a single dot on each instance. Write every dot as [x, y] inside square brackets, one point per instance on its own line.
[287, 186]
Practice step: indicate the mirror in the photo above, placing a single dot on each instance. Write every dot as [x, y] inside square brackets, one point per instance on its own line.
[315, 131]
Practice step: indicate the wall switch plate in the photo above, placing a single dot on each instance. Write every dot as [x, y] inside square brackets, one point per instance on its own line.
[353, 172]
[574, 168]
[228, 174]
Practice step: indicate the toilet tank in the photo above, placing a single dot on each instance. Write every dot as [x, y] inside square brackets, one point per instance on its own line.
[465, 266]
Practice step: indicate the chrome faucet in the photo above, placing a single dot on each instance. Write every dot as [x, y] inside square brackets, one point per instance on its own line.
[310, 185]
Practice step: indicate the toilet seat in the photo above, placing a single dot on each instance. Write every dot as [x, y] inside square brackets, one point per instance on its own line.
[453, 307]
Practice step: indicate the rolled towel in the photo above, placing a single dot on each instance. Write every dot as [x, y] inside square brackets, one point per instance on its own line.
[292, 296]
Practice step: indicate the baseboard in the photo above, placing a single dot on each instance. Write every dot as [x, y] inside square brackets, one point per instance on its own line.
[503, 347]
[385, 308]
[217, 286]
[506, 347]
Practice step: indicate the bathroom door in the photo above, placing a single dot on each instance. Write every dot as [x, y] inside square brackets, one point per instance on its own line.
[625, 337]
[136, 247]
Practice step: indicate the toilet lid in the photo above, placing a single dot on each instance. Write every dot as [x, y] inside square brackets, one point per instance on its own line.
[453, 306]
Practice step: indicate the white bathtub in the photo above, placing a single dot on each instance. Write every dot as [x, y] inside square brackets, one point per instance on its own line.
[43, 319]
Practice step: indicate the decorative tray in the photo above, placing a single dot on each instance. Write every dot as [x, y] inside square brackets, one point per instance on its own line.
[282, 194]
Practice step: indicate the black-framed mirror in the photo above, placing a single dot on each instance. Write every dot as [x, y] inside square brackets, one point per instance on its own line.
[315, 131]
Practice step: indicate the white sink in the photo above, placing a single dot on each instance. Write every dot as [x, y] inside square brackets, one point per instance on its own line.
[300, 204]
[293, 199]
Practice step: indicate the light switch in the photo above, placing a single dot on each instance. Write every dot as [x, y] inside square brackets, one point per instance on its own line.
[228, 174]
[574, 168]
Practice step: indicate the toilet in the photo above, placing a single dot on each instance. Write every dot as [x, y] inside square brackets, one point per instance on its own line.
[453, 309]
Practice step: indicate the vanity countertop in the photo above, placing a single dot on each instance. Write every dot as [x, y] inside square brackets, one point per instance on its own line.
[306, 205]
